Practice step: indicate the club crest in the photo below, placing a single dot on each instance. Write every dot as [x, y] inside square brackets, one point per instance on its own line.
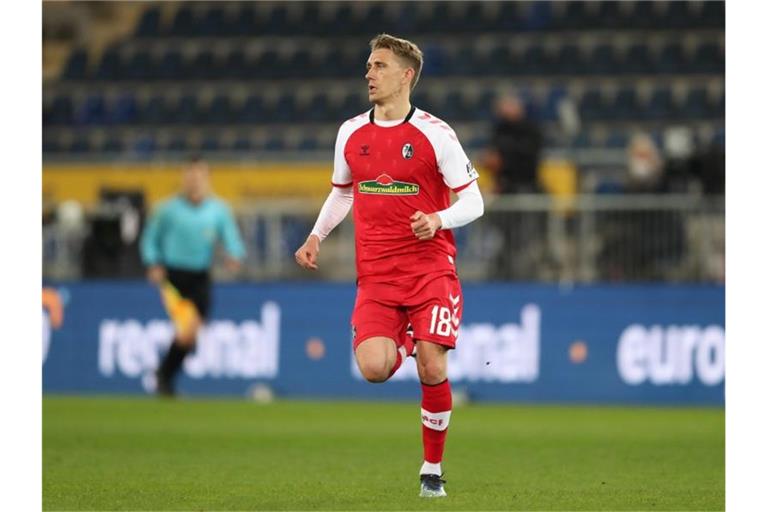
[408, 151]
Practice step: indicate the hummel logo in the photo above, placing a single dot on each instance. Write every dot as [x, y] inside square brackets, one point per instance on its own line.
[364, 150]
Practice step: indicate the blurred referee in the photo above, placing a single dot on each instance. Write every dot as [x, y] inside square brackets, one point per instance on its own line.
[177, 247]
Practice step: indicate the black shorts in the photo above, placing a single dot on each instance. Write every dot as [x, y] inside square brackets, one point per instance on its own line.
[192, 285]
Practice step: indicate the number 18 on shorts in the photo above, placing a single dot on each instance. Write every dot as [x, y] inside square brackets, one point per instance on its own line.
[431, 305]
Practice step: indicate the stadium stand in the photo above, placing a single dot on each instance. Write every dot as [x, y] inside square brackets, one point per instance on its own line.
[625, 65]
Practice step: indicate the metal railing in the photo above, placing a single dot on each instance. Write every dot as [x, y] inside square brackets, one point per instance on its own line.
[677, 238]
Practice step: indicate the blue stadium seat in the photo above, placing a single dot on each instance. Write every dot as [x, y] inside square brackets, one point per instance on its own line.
[284, 109]
[534, 60]
[671, 59]
[308, 142]
[609, 16]
[509, 17]
[677, 16]
[113, 144]
[149, 23]
[638, 59]
[624, 106]
[592, 106]
[660, 106]
[235, 65]
[144, 145]
[435, 61]
[274, 142]
[269, 66]
[482, 108]
[709, 58]
[603, 60]
[455, 107]
[212, 23]
[155, 112]
[183, 23]
[220, 111]
[573, 18]
[549, 110]
[203, 66]
[242, 143]
[139, 67]
[644, 16]
[301, 64]
[616, 140]
[696, 104]
[253, 111]
[52, 145]
[713, 15]
[244, 24]
[178, 144]
[60, 113]
[92, 111]
[467, 62]
[171, 66]
[719, 137]
[111, 66]
[569, 61]
[123, 110]
[210, 143]
[277, 21]
[187, 111]
[77, 65]
[501, 61]
[80, 144]
[352, 105]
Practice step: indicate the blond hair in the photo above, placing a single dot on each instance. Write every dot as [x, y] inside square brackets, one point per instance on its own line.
[404, 49]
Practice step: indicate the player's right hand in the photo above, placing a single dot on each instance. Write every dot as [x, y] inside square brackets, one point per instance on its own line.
[306, 256]
[156, 274]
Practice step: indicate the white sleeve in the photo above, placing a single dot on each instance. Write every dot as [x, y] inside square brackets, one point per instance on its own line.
[468, 207]
[342, 175]
[456, 168]
[335, 208]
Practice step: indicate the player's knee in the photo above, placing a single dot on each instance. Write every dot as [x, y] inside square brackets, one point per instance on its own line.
[374, 371]
[432, 372]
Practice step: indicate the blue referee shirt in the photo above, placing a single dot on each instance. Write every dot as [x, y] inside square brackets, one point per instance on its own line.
[182, 234]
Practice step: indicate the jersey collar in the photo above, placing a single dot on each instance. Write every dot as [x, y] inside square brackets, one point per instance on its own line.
[407, 117]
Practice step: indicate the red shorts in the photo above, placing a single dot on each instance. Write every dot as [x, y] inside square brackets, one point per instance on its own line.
[431, 304]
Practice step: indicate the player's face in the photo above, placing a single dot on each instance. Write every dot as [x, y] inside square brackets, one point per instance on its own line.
[195, 181]
[386, 76]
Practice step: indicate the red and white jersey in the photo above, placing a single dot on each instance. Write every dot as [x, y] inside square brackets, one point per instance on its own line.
[396, 171]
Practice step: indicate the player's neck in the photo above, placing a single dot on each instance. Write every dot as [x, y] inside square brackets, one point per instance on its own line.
[392, 110]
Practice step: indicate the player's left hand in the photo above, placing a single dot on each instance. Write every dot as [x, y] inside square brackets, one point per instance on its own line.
[424, 226]
[231, 264]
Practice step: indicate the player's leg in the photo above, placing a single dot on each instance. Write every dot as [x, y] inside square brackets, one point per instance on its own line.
[435, 317]
[195, 287]
[436, 405]
[379, 329]
[376, 358]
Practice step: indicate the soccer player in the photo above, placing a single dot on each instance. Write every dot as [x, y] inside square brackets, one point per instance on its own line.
[397, 165]
[177, 246]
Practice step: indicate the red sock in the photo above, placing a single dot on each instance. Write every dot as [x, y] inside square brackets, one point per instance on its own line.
[398, 362]
[436, 406]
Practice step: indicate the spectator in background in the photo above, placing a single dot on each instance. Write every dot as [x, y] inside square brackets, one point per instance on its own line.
[516, 143]
[177, 247]
[513, 159]
[642, 243]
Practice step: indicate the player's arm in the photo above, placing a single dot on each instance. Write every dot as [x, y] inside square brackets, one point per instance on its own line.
[336, 206]
[150, 246]
[468, 207]
[460, 175]
[334, 210]
[230, 237]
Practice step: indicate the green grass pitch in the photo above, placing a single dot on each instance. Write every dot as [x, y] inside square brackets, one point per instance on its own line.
[145, 454]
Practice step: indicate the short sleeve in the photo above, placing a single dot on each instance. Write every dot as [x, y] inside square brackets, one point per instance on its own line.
[342, 174]
[456, 168]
